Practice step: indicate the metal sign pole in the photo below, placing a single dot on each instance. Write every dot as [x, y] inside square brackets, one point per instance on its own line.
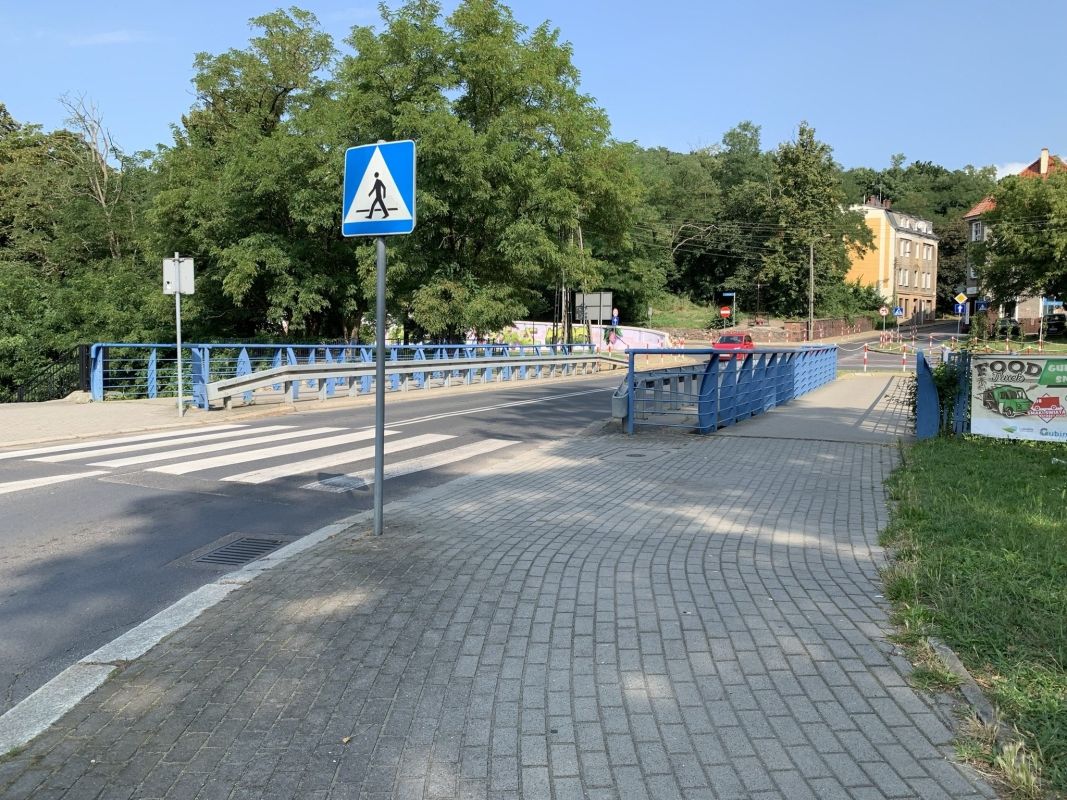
[178, 327]
[384, 171]
[379, 391]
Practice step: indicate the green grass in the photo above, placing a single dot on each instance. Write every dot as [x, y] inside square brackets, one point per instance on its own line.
[979, 531]
[670, 311]
[1028, 344]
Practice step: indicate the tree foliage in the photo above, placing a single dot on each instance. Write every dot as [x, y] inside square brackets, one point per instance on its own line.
[737, 218]
[1027, 251]
[70, 264]
[521, 189]
[522, 193]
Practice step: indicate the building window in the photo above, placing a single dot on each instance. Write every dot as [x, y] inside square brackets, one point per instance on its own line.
[976, 231]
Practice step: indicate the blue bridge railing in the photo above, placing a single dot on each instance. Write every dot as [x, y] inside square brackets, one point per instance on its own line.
[942, 413]
[722, 387]
[120, 370]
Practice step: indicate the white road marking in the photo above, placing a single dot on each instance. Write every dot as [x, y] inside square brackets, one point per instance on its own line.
[33, 483]
[169, 455]
[132, 448]
[33, 715]
[267, 452]
[325, 462]
[356, 480]
[143, 437]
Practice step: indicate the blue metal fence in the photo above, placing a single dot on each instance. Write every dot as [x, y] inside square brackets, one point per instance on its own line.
[724, 387]
[121, 370]
[927, 405]
[931, 415]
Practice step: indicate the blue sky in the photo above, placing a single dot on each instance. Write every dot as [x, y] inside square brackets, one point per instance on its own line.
[954, 82]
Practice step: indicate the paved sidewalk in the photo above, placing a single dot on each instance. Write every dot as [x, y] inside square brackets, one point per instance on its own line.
[659, 616]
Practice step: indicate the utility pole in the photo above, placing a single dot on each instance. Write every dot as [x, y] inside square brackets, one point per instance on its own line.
[811, 291]
[585, 310]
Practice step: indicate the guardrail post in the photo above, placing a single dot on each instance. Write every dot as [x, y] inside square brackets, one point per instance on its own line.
[153, 386]
[244, 367]
[200, 359]
[420, 377]
[312, 384]
[630, 395]
[290, 358]
[97, 356]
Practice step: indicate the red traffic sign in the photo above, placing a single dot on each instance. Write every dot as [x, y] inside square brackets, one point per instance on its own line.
[883, 311]
[725, 312]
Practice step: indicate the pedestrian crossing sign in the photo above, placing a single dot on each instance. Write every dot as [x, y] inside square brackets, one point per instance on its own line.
[379, 189]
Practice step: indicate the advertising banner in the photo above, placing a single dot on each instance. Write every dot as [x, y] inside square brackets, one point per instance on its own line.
[1019, 397]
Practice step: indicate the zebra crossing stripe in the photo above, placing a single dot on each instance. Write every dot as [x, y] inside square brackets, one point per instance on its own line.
[356, 480]
[267, 452]
[33, 483]
[132, 448]
[167, 455]
[333, 460]
[141, 437]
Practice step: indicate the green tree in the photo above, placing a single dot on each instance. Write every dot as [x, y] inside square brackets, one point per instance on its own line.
[710, 207]
[250, 188]
[1027, 251]
[807, 209]
[520, 186]
[70, 225]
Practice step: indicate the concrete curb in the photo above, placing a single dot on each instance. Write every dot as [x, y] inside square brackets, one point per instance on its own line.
[39, 711]
[971, 691]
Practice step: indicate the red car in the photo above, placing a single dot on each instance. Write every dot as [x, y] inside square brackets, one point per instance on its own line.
[734, 341]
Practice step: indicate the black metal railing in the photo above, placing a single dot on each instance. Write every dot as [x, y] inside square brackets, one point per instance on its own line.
[53, 381]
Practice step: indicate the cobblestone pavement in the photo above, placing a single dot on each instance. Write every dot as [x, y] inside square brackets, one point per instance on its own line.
[658, 617]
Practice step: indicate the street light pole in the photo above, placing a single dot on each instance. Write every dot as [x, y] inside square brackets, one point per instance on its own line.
[811, 291]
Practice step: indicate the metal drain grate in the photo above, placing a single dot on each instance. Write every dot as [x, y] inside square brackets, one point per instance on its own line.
[240, 551]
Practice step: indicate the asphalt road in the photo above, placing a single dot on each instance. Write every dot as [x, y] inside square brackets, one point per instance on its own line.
[850, 354]
[88, 558]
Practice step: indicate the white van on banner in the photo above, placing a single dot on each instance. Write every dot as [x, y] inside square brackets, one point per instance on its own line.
[1017, 396]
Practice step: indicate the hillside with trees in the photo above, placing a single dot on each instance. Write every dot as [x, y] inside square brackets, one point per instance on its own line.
[523, 193]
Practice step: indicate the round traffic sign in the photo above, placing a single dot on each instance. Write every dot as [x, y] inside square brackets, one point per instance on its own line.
[724, 312]
[883, 311]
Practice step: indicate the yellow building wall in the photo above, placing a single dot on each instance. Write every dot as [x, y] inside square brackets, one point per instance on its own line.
[871, 268]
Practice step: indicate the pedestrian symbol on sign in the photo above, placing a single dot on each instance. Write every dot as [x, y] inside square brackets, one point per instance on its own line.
[378, 190]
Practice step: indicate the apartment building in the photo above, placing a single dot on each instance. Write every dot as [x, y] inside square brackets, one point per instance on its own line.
[902, 265]
[1027, 309]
